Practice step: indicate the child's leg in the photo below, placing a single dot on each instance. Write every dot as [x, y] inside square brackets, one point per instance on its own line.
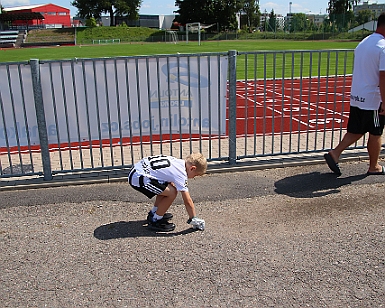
[164, 200]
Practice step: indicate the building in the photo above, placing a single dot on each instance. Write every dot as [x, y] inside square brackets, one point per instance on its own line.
[316, 19]
[280, 22]
[54, 16]
[279, 19]
[375, 8]
[369, 26]
[149, 21]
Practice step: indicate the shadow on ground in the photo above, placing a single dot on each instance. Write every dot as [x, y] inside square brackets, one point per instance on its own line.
[124, 229]
[313, 184]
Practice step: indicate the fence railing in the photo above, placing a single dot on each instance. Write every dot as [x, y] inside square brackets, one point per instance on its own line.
[86, 115]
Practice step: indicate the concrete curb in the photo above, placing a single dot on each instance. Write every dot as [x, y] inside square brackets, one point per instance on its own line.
[121, 175]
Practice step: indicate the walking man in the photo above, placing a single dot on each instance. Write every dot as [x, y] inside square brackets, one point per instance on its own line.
[367, 110]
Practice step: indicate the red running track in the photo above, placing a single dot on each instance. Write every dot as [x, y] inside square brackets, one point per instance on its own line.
[284, 106]
[263, 107]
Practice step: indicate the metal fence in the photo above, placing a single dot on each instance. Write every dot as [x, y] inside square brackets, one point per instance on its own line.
[86, 115]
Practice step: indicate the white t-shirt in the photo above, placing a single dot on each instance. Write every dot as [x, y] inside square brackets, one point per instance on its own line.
[164, 168]
[369, 60]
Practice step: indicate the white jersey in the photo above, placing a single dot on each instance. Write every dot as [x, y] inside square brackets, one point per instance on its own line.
[164, 168]
[369, 60]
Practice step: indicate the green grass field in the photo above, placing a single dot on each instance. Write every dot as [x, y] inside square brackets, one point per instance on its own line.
[286, 64]
[133, 49]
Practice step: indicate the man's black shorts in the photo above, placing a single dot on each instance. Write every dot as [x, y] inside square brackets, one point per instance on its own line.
[365, 121]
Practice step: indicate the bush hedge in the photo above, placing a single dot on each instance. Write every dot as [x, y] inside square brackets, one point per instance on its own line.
[86, 35]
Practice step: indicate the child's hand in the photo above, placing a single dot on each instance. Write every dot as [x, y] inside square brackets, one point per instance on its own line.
[197, 223]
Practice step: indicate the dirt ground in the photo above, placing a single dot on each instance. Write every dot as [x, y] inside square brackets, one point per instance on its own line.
[286, 237]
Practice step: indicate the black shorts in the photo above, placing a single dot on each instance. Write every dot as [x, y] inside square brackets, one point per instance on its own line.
[148, 187]
[365, 121]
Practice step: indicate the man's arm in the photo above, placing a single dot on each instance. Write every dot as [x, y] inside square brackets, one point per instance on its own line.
[382, 91]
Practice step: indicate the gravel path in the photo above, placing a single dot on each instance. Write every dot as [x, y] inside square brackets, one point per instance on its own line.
[289, 237]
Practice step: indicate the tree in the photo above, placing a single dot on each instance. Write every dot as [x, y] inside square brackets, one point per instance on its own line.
[95, 8]
[341, 6]
[364, 16]
[129, 8]
[87, 8]
[272, 23]
[220, 12]
[194, 11]
[225, 13]
[91, 22]
[340, 12]
[298, 22]
[253, 15]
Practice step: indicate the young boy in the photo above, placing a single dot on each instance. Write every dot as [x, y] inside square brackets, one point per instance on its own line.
[163, 176]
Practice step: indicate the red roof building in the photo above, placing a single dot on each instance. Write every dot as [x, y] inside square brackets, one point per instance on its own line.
[54, 16]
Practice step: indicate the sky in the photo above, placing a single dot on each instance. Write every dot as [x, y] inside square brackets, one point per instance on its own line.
[167, 7]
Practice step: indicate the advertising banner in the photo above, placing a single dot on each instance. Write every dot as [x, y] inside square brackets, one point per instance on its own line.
[99, 99]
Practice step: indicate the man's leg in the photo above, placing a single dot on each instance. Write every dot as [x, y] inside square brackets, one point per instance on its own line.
[346, 141]
[374, 149]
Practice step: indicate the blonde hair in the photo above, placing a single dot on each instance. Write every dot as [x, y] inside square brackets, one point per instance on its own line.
[199, 161]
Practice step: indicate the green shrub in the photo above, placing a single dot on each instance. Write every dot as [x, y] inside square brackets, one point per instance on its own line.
[91, 22]
[124, 33]
[86, 35]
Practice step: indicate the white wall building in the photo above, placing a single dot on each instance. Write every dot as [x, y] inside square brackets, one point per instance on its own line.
[376, 8]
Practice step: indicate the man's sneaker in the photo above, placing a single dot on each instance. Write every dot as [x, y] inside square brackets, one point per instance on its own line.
[166, 216]
[161, 225]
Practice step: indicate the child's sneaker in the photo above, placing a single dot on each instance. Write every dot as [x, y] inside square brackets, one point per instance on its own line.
[161, 225]
[166, 216]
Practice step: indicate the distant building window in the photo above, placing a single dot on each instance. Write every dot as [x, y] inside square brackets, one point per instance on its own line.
[149, 17]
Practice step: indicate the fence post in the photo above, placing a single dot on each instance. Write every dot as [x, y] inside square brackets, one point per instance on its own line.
[232, 107]
[40, 116]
